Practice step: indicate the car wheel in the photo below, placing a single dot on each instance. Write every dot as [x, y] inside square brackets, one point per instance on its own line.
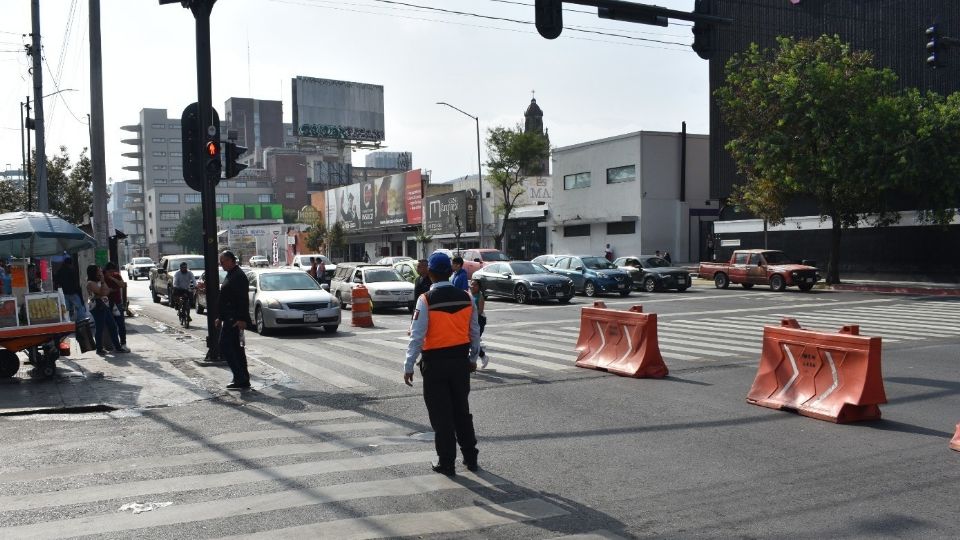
[565, 300]
[805, 287]
[649, 284]
[625, 293]
[721, 281]
[170, 296]
[777, 283]
[589, 289]
[154, 296]
[261, 324]
[521, 294]
[9, 364]
[747, 285]
[681, 289]
[331, 328]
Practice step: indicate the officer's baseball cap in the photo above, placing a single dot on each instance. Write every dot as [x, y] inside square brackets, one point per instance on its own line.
[439, 262]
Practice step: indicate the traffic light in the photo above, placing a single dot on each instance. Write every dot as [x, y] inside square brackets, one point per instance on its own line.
[548, 15]
[703, 32]
[212, 164]
[934, 47]
[200, 149]
[231, 152]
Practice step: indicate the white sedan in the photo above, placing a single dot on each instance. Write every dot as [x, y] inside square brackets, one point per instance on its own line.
[259, 260]
[289, 299]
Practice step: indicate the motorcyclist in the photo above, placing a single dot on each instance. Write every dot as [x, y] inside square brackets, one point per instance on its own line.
[183, 283]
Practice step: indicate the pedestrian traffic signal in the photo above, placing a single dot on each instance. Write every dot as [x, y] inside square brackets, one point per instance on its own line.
[548, 15]
[212, 164]
[201, 148]
[934, 47]
[231, 152]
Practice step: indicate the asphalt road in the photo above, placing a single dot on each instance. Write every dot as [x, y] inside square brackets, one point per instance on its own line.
[341, 449]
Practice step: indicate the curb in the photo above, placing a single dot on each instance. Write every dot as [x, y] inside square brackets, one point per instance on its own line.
[893, 289]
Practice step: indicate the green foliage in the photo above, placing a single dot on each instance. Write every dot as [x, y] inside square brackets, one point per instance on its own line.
[815, 119]
[290, 215]
[512, 153]
[336, 240]
[189, 232]
[316, 236]
[69, 188]
[77, 196]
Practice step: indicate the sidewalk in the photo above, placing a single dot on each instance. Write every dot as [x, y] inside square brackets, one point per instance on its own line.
[164, 368]
[918, 288]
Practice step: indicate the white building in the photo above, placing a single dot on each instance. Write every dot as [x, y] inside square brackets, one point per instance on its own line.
[633, 192]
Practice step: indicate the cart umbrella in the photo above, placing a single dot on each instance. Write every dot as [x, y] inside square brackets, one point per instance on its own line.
[36, 234]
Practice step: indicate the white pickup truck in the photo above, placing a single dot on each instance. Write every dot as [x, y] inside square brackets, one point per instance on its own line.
[139, 267]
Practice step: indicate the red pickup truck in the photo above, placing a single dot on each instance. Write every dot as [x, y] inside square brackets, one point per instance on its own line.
[750, 267]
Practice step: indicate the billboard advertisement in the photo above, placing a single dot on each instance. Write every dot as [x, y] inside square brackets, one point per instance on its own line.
[330, 109]
[443, 212]
[388, 201]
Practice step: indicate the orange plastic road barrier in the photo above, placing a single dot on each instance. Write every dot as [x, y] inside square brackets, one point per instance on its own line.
[825, 375]
[621, 342]
[955, 442]
[360, 307]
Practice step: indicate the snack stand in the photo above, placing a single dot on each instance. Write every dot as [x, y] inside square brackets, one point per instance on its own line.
[34, 322]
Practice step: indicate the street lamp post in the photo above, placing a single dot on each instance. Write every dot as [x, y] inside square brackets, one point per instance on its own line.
[479, 172]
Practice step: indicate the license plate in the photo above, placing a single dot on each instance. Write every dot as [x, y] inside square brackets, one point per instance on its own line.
[681, 280]
[310, 317]
[622, 286]
[809, 280]
[559, 294]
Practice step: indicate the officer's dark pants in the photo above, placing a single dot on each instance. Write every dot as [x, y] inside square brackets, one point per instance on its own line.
[446, 387]
[233, 353]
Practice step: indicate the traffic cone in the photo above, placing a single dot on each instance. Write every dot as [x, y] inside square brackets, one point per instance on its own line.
[360, 307]
[955, 441]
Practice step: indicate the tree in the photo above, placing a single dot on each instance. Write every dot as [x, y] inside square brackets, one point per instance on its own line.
[814, 119]
[763, 199]
[511, 153]
[316, 237]
[336, 240]
[77, 197]
[189, 232]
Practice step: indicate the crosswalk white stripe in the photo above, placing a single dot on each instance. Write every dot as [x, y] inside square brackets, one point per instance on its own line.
[478, 516]
[315, 416]
[915, 310]
[891, 323]
[561, 334]
[356, 361]
[206, 481]
[198, 458]
[570, 348]
[253, 504]
[549, 365]
[730, 327]
[695, 338]
[524, 339]
[929, 321]
[892, 331]
[727, 331]
[668, 345]
[322, 374]
[704, 347]
[287, 433]
[497, 366]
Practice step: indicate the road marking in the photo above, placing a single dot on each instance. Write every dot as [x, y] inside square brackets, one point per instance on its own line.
[699, 351]
[316, 431]
[322, 374]
[705, 346]
[505, 348]
[355, 361]
[478, 516]
[695, 337]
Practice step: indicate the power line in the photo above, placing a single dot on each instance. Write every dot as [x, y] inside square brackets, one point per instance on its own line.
[59, 94]
[63, 47]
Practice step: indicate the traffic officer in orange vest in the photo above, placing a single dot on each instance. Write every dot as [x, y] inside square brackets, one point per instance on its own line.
[445, 333]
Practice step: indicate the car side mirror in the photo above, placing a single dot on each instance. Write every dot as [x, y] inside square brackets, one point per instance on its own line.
[579, 269]
[325, 287]
[357, 280]
[507, 274]
[161, 271]
[477, 260]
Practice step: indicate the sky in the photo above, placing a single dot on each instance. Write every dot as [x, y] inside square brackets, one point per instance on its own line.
[606, 79]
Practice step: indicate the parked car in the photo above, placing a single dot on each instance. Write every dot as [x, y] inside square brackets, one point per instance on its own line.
[593, 275]
[475, 259]
[386, 287]
[389, 261]
[303, 263]
[139, 267]
[201, 293]
[161, 277]
[750, 267]
[407, 270]
[546, 260]
[259, 261]
[651, 273]
[289, 299]
[523, 281]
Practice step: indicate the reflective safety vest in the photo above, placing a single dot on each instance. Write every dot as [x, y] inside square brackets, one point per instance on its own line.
[449, 311]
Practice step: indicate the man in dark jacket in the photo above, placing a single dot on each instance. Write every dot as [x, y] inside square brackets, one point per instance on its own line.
[233, 309]
[423, 283]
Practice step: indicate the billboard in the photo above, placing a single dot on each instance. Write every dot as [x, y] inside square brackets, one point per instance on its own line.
[444, 211]
[388, 201]
[329, 109]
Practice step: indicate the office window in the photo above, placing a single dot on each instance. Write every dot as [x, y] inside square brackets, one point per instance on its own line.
[167, 232]
[177, 167]
[264, 198]
[223, 197]
[174, 126]
[191, 198]
[289, 180]
[159, 167]
[263, 183]
[617, 175]
[157, 139]
[159, 154]
[240, 183]
[290, 195]
[576, 230]
[176, 154]
[622, 227]
[160, 181]
[169, 198]
[175, 139]
[177, 181]
[157, 126]
[576, 181]
[169, 215]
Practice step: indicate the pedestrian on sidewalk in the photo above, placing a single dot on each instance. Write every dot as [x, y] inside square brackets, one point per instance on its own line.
[99, 294]
[313, 268]
[422, 284]
[233, 307]
[478, 303]
[608, 253]
[666, 257]
[113, 279]
[445, 334]
[67, 278]
[321, 271]
[459, 278]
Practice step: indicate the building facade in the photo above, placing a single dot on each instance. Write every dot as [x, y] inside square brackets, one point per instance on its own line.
[258, 123]
[402, 161]
[639, 192]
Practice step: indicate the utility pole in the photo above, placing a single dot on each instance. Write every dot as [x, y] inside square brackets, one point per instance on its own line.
[42, 202]
[29, 159]
[97, 160]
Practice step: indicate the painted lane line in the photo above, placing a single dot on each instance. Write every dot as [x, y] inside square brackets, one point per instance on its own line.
[706, 346]
[320, 373]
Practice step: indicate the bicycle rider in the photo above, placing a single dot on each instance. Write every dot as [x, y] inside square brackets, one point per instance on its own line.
[183, 283]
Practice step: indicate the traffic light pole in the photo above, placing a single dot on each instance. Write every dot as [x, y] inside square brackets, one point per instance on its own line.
[208, 200]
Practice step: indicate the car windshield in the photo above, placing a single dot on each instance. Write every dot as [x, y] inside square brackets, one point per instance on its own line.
[258, 258]
[493, 256]
[521, 268]
[597, 263]
[776, 257]
[292, 281]
[655, 262]
[379, 276]
[142, 260]
[192, 264]
[222, 272]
